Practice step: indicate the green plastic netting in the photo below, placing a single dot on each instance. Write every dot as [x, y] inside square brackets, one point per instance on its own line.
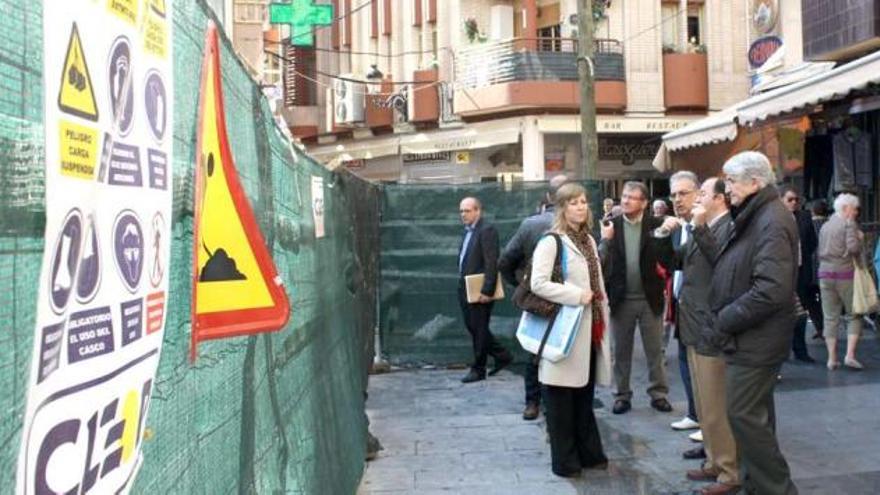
[276, 413]
[421, 233]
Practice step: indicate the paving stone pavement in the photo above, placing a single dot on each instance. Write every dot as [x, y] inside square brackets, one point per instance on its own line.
[443, 437]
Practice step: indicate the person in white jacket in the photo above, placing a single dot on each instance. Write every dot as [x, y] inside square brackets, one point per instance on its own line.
[569, 384]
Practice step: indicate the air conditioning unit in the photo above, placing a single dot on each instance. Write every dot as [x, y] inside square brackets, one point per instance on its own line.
[348, 100]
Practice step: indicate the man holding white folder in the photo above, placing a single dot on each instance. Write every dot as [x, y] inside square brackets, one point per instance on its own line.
[478, 254]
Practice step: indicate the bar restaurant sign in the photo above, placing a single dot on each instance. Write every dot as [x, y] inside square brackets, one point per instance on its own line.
[628, 149]
[434, 157]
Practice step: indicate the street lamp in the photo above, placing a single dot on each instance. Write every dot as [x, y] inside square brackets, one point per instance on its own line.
[374, 73]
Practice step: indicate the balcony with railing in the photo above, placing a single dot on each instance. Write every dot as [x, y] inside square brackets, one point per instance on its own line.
[535, 73]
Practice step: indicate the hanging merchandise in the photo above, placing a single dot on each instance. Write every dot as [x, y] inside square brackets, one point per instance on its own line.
[852, 160]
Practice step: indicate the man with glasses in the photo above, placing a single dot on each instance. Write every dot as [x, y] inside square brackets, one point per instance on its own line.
[631, 255]
[683, 188]
[807, 284]
[712, 227]
[752, 305]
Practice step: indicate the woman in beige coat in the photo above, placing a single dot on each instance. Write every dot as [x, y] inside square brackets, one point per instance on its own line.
[569, 384]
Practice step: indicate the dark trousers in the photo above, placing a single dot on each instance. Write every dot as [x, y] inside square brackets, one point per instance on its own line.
[685, 370]
[799, 339]
[571, 424]
[810, 298]
[533, 388]
[476, 319]
[752, 416]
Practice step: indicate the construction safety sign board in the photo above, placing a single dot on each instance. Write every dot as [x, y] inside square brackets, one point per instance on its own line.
[101, 306]
[236, 288]
[76, 94]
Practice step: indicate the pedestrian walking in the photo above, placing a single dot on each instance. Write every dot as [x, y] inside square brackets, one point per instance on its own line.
[710, 226]
[478, 254]
[808, 242]
[819, 212]
[752, 301]
[631, 254]
[514, 258]
[840, 246]
[569, 384]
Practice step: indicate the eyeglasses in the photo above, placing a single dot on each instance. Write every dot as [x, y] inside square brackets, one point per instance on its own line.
[680, 194]
[633, 197]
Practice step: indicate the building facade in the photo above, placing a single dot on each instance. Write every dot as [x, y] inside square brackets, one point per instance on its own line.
[814, 108]
[472, 90]
[246, 24]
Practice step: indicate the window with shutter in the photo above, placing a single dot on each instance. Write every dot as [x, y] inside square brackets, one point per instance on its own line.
[300, 90]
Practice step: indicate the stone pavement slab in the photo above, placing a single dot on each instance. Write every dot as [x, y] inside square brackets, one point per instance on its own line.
[443, 437]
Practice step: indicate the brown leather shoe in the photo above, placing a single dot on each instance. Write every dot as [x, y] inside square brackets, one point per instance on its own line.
[531, 411]
[701, 475]
[720, 489]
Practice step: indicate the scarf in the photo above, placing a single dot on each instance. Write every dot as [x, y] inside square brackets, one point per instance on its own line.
[584, 242]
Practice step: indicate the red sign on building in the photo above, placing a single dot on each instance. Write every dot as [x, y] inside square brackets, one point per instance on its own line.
[762, 49]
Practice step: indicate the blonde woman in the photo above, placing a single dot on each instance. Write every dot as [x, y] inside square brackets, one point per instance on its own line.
[569, 384]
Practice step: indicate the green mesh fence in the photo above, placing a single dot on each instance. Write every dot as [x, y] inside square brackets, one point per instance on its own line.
[276, 413]
[421, 233]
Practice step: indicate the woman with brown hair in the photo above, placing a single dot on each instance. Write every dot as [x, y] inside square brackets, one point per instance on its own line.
[569, 384]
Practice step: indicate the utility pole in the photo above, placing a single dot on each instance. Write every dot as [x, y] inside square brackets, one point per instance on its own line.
[683, 26]
[586, 72]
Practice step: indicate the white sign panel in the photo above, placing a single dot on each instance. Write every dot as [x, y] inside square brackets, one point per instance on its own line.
[102, 299]
[318, 205]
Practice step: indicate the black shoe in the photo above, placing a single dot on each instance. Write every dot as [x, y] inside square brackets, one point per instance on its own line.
[597, 403]
[695, 453]
[531, 411]
[568, 474]
[805, 359]
[501, 363]
[599, 466]
[661, 405]
[474, 376]
[621, 406]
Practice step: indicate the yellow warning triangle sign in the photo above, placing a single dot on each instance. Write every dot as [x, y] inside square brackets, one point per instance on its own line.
[236, 288]
[77, 95]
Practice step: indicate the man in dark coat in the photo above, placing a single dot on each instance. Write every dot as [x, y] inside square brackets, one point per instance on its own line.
[513, 261]
[683, 190]
[807, 285]
[710, 225]
[751, 299]
[478, 253]
[631, 252]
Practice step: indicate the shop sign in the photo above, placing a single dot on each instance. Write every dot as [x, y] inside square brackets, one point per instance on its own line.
[554, 162]
[627, 150]
[354, 164]
[622, 125]
[762, 49]
[439, 156]
[764, 14]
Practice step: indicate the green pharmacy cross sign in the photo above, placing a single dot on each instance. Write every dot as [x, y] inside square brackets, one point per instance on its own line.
[302, 16]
